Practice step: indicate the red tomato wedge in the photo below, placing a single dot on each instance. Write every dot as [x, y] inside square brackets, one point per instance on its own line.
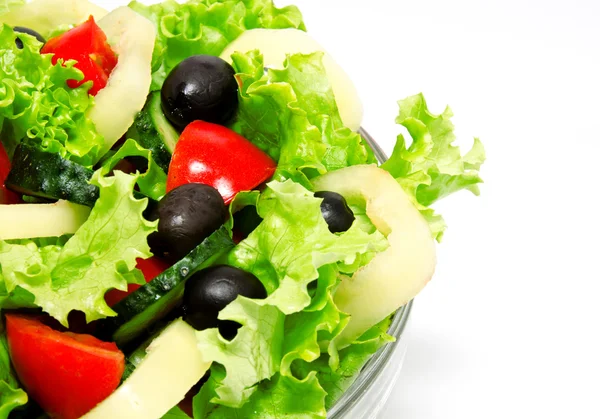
[87, 44]
[67, 374]
[217, 156]
[151, 268]
[6, 196]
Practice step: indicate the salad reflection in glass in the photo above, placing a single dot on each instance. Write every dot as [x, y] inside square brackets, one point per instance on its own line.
[183, 233]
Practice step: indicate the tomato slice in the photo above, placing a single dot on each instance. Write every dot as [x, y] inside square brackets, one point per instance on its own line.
[6, 196]
[67, 374]
[217, 156]
[151, 268]
[88, 45]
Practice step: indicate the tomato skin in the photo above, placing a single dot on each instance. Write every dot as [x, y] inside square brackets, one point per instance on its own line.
[88, 45]
[65, 373]
[151, 268]
[6, 196]
[217, 156]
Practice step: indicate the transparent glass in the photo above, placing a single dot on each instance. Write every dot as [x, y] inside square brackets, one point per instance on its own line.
[369, 393]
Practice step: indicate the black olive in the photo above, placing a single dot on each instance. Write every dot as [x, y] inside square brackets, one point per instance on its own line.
[246, 220]
[201, 87]
[28, 31]
[210, 290]
[186, 216]
[336, 212]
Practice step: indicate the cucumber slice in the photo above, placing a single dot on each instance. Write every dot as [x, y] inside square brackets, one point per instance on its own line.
[154, 132]
[23, 221]
[132, 38]
[46, 175]
[394, 276]
[157, 298]
[172, 365]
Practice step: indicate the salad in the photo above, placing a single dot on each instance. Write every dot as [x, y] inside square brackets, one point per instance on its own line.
[191, 224]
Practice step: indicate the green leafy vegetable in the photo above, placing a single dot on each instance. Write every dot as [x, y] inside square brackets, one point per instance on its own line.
[252, 356]
[292, 115]
[282, 397]
[11, 396]
[99, 257]
[153, 183]
[293, 241]
[291, 248]
[176, 413]
[431, 167]
[207, 27]
[36, 103]
[352, 359]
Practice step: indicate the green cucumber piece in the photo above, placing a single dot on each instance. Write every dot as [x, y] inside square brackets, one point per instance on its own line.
[153, 131]
[156, 299]
[47, 175]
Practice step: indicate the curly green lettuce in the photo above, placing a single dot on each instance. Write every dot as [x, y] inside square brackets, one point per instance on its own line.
[431, 167]
[37, 105]
[207, 27]
[100, 256]
[281, 397]
[298, 260]
[153, 182]
[292, 115]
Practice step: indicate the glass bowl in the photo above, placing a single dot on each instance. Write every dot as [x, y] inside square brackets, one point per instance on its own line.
[367, 396]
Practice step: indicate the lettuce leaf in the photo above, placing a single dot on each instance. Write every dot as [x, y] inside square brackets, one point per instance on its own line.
[282, 397]
[176, 413]
[99, 257]
[293, 241]
[36, 103]
[153, 182]
[207, 27]
[335, 381]
[252, 356]
[431, 167]
[292, 115]
[291, 248]
[11, 395]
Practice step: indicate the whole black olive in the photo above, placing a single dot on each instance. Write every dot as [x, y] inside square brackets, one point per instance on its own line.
[210, 290]
[28, 31]
[201, 87]
[186, 216]
[336, 212]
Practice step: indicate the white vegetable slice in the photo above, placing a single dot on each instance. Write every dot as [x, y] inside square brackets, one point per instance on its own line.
[172, 366]
[276, 44]
[23, 221]
[45, 16]
[132, 38]
[396, 275]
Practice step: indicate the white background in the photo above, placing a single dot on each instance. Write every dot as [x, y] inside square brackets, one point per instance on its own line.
[510, 325]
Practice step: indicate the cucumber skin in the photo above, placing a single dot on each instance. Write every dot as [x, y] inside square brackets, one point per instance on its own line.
[154, 300]
[47, 175]
[153, 131]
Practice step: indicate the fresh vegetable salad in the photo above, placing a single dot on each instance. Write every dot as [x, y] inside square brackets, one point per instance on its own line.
[190, 222]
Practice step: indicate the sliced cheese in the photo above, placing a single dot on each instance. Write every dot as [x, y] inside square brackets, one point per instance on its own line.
[396, 275]
[276, 44]
[45, 16]
[132, 38]
[23, 221]
[172, 366]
